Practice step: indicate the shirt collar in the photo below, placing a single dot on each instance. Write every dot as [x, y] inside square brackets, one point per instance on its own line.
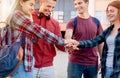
[41, 15]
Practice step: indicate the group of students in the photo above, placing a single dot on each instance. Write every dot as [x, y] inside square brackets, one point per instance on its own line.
[39, 26]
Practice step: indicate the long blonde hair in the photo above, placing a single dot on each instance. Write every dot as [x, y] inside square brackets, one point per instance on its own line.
[15, 6]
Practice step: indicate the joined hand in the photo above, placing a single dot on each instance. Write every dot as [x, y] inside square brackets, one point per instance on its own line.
[71, 45]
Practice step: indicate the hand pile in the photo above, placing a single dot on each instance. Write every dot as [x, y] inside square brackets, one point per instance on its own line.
[71, 45]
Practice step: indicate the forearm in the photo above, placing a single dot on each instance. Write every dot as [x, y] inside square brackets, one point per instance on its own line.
[45, 34]
[68, 34]
[100, 48]
[20, 20]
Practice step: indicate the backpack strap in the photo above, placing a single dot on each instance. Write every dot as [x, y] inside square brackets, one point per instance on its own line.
[22, 39]
[74, 26]
[6, 35]
[9, 35]
[96, 21]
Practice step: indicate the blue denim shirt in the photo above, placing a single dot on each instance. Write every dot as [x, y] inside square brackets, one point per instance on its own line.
[102, 38]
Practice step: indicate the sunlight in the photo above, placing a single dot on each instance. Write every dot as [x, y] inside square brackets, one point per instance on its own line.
[5, 9]
[5, 6]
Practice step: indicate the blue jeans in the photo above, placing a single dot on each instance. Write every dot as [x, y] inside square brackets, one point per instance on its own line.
[109, 70]
[21, 73]
[76, 71]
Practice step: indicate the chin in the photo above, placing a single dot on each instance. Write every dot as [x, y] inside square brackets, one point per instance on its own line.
[111, 21]
[47, 14]
[80, 12]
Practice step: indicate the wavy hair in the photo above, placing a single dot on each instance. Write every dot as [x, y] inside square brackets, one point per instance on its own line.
[115, 4]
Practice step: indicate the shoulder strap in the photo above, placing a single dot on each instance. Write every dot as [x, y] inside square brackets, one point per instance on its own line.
[9, 34]
[75, 25]
[96, 21]
[6, 38]
[22, 39]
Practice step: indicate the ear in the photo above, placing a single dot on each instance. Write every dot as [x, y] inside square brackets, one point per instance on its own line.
[87, 3]
[42, 1]
[21, 3]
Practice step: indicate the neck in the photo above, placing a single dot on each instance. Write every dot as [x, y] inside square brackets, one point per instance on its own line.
[29, 17]
[40, 10]
[117, 24]
[84, 15]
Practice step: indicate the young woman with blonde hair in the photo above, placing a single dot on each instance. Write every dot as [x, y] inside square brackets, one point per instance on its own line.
[21, 21]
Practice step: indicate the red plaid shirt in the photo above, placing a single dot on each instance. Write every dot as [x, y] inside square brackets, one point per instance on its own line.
[22, 23]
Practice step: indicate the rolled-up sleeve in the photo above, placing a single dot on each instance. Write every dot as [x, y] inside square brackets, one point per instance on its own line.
[19, 19]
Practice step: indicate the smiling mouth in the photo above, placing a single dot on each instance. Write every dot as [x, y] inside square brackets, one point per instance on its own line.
[111, 17]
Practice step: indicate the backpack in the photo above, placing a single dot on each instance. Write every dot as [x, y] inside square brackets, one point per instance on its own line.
[8, 53]
[75, 24]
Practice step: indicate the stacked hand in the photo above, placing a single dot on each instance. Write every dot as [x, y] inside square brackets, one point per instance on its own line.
[71, 44]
